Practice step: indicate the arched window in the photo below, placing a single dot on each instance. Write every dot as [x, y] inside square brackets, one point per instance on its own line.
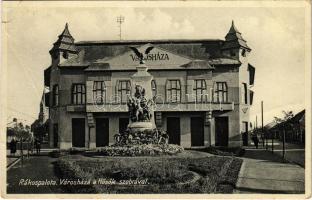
[200, 88]
[173, 91]
[99, 92]
[123, 90]
[220, 92]
[78, 93]
[154, 88]
[55, 91]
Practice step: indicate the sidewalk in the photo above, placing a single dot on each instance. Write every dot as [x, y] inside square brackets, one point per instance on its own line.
[35, 168]
[264, 172]
[293, 152]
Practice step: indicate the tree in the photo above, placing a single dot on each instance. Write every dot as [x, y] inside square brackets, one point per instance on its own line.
[287, 115]
[22, 134]
[282, 123]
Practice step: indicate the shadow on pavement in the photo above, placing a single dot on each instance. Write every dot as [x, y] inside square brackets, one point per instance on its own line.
[262, 154]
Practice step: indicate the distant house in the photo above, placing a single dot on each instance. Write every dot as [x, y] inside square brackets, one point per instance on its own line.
[294, 129]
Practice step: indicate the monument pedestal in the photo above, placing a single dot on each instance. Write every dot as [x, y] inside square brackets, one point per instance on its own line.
[140, 126]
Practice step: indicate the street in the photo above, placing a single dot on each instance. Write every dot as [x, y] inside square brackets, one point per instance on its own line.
[293, 152]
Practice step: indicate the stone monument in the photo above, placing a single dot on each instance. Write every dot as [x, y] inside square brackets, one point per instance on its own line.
[141, 128]
[140, 104]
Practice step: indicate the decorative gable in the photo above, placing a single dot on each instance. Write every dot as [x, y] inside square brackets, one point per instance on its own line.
[157, 57]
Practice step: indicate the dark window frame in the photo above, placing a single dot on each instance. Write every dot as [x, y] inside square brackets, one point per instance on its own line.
[220, 90]
[173, 86]
[123, 86]
[245, 92]
[55, 97]
[78, 94]
[99, 92]
[200, 89]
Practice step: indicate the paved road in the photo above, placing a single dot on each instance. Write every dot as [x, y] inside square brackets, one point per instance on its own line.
[34, 168]
[264, 172]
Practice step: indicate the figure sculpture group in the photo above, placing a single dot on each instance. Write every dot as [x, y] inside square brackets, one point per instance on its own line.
[139, 107]
[140, 110]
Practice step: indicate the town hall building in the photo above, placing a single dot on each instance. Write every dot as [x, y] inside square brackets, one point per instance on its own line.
[202, 89]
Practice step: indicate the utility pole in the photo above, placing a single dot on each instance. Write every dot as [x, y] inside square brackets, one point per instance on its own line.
[262, 132]
[272, 142]
[120, 20]
[256, 121]
[284, 142]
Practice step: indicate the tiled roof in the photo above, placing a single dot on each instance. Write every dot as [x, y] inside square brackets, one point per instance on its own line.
[65, 42]
[224, 61]
[199, 53]
[103, 53]
[298, 118]
[234, 39]
[75, 60]
[138, 42]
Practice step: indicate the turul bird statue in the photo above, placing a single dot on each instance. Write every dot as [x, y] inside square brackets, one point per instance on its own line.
[139, 54]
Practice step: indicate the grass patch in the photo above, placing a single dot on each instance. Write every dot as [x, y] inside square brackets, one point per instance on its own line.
[154, 174]
[228, 180]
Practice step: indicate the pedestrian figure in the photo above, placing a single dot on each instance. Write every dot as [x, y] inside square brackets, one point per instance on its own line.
[255, 140]
[37, 145]
[13, 147]
[30, 147]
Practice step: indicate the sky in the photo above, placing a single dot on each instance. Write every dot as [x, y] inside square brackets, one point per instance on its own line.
[275, 35]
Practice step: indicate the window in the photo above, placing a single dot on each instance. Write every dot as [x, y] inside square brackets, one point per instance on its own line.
[154, 88]
[220, 92]
[79, 94]
[244, 93]
[65, 54]
[173, 88]
[55, 101]
[244, 53]
[200, 90]
[99, 92]
[123, 90]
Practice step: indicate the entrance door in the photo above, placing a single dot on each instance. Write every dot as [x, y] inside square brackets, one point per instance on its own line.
[222, 131]
[197, 131]
[173, 130]
[55, 135]
[245, 134]
[102, 132]
[78, 132]
[123, 124]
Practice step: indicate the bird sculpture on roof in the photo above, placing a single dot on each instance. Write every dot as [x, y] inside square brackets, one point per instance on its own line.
[139, 54]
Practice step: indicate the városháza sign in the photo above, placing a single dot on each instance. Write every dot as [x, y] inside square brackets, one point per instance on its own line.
[151, 57]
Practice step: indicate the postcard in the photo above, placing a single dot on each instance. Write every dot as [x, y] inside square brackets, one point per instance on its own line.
[169, 99]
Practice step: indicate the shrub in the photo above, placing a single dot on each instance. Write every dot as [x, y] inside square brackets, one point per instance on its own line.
[140, 150]
[74, 151]
[58, 153]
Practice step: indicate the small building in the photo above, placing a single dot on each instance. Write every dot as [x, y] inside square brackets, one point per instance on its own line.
[294, 129]
[202, 89]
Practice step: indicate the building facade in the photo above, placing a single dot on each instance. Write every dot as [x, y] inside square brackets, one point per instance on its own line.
[202, 89]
